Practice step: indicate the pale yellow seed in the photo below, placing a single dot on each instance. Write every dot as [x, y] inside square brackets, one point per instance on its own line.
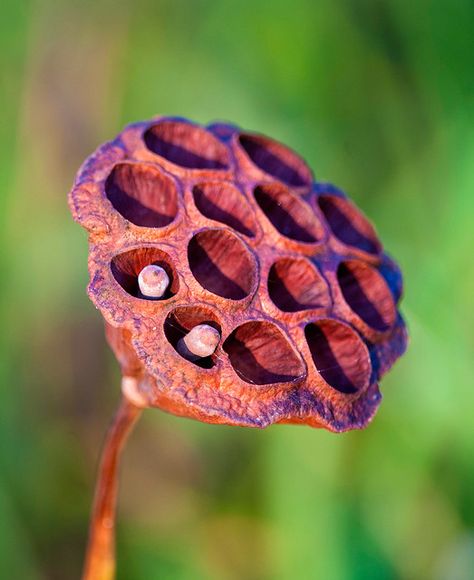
[201, 341]
[153, 281]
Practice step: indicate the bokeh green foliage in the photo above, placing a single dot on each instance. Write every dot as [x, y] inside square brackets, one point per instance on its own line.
[379, 97]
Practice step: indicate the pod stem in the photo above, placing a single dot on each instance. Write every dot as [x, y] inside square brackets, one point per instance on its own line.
[100, 554]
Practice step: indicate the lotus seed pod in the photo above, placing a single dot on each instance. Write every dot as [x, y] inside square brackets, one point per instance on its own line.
[153, 281]
[287, 271]
[201, 341]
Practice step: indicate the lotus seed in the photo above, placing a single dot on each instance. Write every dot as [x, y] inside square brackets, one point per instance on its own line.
[153, 281]
[201, 341]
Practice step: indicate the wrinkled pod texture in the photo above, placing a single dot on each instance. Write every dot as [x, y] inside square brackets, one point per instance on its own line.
[287, 269]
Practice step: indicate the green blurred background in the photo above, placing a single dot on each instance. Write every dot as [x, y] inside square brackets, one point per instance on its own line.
[378, 96]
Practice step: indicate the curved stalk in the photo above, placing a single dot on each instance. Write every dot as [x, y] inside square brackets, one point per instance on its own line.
[100, 554]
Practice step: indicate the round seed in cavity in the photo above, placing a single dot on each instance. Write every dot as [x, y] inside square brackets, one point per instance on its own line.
[201, 341]
[153, 281]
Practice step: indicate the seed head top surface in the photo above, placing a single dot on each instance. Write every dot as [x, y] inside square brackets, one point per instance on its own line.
[236, 288]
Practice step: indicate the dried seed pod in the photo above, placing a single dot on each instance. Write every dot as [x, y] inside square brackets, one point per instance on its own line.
[286, 271]
[235, 288]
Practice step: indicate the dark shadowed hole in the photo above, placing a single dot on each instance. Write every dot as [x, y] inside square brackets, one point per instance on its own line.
[261, 355]
[288, 214]
[181, 320]
[187, 145]
[142, 194]
[276, 159]
[295, 284]
[127, 266]
[367, 293]
[224, 203]
[339, 355]
[348, 224]
[222, 264]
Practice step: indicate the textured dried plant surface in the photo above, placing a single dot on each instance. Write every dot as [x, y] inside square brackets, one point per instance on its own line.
[287, 269]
